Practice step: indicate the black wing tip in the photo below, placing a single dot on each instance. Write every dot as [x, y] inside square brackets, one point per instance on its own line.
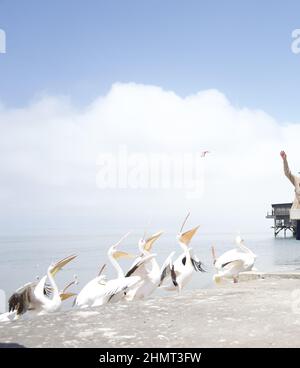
[173, 276]
[198, 266]
[129, 273]
[17, 303]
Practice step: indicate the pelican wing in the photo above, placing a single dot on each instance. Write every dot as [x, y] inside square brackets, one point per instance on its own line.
[26, 286]
[166, 268]
[139, 262]
[21, 301]
[227, 257]
[235, 263]
[134, 266]
[47, 290]
[174, 276]
[18, 303]
[197, 265]
[119, 286]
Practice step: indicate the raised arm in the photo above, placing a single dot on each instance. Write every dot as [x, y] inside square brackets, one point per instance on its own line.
[286, 168]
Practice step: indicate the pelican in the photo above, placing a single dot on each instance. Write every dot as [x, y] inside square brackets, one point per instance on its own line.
[147, 268]
[38, 297]
[182, 270]
[231, 263]
[99, 291]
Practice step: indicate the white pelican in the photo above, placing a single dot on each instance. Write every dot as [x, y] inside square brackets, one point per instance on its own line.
[147, 268]
[99, 291]
[231, 263]
[38, 297]
[182, 270]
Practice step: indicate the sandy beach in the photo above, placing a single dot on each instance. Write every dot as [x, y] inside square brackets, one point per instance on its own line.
[261, 311]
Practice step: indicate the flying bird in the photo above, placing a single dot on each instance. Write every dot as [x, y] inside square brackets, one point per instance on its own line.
[204, 153]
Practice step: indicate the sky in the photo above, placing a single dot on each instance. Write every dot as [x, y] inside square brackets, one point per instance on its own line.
[83, 77]
[80, 48]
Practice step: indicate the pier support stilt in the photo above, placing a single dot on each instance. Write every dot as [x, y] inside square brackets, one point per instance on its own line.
[298, 230]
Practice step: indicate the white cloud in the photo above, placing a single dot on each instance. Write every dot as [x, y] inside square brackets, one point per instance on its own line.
[49, 151]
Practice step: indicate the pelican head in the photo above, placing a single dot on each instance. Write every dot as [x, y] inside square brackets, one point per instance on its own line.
[239, 240]
[240, 243]
[145, 245]
[115, 253]
[186, 237]
[141, 245]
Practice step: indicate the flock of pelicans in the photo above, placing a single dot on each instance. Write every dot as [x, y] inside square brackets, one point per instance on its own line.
[139, 282]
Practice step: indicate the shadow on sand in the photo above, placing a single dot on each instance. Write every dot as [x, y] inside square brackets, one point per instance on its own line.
[10, 345]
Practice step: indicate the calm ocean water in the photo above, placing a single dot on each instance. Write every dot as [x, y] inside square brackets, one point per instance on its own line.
[24, 258]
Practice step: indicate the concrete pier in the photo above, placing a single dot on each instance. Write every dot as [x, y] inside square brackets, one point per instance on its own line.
[262, 312]
[247, 276]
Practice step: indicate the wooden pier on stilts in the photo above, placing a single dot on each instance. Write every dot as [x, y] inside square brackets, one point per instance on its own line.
[282, 222]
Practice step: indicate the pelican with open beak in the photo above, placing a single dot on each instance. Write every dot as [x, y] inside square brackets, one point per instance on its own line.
[99, 291]
[180, 272]
[147, 268]
[38, 297]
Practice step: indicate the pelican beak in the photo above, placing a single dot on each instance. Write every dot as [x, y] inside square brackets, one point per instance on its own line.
[65, 296]
[187, 236]
[150, 241]
[60, 264]
[119, 254]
